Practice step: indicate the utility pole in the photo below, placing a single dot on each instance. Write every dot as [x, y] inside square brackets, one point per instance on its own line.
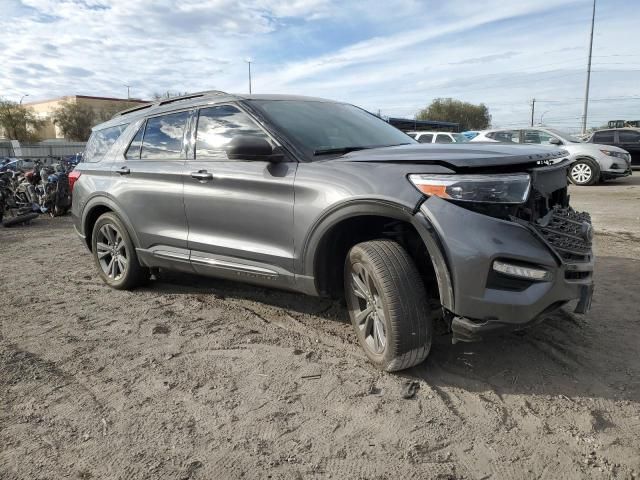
[128, 96]
[586, 92]
[248, 60]
[533, 109]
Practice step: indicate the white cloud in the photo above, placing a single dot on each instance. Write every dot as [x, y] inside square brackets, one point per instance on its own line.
[395, 55]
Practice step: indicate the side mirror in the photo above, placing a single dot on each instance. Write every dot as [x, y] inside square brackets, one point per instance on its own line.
[250, 147]
[555, 141]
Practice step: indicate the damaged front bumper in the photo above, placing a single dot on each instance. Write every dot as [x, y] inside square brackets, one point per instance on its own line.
[464, 245]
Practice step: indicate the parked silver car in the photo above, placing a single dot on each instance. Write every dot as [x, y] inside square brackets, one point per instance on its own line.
[591, 162]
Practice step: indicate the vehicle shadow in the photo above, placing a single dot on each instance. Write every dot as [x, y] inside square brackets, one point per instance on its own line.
[566, 355]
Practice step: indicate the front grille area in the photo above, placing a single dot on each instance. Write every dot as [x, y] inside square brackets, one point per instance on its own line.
[568, 232]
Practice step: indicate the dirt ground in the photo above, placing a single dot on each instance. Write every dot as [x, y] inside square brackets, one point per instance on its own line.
[193, 378]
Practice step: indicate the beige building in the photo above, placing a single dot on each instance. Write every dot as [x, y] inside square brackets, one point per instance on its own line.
[104, 107]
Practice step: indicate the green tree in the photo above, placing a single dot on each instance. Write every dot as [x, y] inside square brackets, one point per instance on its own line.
[468, 115]
[110, 110]
[18, 122]
[74, 120]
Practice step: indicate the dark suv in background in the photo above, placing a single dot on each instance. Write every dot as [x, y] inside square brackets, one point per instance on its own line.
[626, 138]
[324, 198]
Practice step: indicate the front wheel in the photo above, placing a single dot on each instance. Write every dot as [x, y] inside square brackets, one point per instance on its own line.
[584, 172]
[387, 303]
[115, 255]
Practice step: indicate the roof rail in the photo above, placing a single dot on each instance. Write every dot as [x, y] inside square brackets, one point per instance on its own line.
[171, 100]
[134, 109]
[191, 95]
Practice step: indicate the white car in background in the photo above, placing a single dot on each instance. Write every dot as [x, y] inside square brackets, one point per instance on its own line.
[591, 162]
[438, 137]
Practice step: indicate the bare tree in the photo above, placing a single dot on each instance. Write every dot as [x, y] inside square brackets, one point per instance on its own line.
[168, 94]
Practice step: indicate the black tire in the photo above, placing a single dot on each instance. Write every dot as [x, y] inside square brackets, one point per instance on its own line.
[396, 292]
[584, 171]
[24, 218]
[133, 275]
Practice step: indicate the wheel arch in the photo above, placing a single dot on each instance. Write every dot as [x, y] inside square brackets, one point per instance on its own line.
[333, 235]
[97, 206]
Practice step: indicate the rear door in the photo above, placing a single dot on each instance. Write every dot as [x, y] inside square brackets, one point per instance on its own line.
[443, 138]
[148, 182]
[630, 141]
[240, 213]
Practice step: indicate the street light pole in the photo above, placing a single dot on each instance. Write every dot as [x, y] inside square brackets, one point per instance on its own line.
[22, 98]
[542, 116]
[586, 93]
[248, 60]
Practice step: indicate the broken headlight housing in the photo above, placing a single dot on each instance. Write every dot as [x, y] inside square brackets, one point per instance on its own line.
[499, 188]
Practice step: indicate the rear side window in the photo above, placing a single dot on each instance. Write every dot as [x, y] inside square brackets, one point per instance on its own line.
[603, 137]
[442, 138]
[427, 138]
[507, 136]
[218, 125]
[100, 142]
[163, 137]
[629, 137]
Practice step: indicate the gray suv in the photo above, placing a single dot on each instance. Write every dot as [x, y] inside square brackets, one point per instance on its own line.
[323, 198]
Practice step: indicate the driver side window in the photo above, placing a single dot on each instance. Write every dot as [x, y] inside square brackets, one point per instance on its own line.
[217, 126]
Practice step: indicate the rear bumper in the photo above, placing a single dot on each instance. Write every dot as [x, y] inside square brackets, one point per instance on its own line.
[467, 244]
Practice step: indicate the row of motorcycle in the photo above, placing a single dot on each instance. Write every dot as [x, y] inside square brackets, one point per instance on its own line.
[41, 189]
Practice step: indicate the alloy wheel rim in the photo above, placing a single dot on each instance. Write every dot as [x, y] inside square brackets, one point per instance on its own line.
[367, 309]
[581, 173]
[112, 252]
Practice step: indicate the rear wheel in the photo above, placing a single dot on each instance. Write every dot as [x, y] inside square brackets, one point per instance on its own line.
[388, 305]
[584, 172]
[115, 255]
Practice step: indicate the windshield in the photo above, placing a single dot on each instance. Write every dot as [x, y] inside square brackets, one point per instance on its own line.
[327, 127]
[459, 138]
[567, 137]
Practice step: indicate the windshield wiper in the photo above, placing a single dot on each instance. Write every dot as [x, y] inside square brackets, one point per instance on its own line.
[345, 150]
[342, 150]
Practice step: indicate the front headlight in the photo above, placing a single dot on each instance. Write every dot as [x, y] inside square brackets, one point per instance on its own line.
[500, 188]
[615, 154]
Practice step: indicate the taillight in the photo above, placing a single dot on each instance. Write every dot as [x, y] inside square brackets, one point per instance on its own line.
[74, 175]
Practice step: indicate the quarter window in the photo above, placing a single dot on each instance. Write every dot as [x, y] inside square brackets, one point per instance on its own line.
[101, 141]
[218, 125]
[163, 137]
[133, 152]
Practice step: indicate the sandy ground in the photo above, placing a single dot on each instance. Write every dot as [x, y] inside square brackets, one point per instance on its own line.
[204, 379]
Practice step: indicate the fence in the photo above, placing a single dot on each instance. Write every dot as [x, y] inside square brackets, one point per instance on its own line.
[15, 149]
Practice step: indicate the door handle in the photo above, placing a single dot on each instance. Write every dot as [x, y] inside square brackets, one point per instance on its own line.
[123, 171]
[202, 175]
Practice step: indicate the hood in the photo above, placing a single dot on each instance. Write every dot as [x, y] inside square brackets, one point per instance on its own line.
[462, 155]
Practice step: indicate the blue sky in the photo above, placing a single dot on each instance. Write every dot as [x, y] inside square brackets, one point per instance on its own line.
[394, 56]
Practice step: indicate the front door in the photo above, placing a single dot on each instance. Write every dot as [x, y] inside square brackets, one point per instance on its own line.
[240, 213]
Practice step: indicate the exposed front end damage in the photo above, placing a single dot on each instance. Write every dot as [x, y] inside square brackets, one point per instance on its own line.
[542, 248]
